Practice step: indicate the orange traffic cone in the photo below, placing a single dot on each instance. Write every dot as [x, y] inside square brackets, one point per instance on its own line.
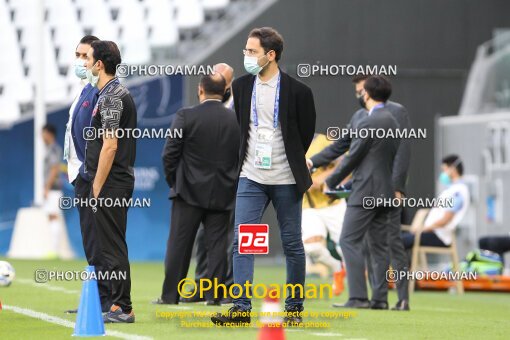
[271, 325]
[338, 281]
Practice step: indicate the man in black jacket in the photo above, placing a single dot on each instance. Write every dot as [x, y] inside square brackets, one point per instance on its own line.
[401, 164]
[371, 161]
[277, 118]
[201, 170]
[201, 255]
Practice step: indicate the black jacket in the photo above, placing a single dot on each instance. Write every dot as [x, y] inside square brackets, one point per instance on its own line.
[201, 168]
[296, 117]
[402, 159]
[370, 160]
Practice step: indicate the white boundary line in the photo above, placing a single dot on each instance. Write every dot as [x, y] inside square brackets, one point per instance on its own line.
[70, 324]
[47, 286]
[66, 323]
[60, 321]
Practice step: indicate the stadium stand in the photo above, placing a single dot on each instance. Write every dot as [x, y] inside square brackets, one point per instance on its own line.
[145, 30]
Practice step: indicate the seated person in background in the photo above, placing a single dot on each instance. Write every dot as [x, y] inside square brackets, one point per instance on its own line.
[322, 215]
[442, 221]
[497, 244]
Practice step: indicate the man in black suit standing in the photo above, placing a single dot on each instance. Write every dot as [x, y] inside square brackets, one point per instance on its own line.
[401, 164]
[277, 118]
[201, 170]
[371, 161]
[201, 256]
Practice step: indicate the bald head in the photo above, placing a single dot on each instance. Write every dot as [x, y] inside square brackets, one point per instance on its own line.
[226, 71]
[211, 86]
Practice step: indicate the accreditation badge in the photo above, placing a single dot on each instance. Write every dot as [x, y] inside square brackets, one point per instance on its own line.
[67, 141]
[263, 150]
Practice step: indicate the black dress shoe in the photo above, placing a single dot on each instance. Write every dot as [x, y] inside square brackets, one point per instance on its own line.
[194, 298]
[213, 303]
[160, 301]
[293, 315]
[235, 315]
[378, 305]
[402, 305]
[354, 303]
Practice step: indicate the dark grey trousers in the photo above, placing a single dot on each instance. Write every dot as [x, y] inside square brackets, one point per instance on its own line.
[372, 224]
[398, 256]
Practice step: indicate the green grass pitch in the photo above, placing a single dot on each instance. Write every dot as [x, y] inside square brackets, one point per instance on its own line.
[434, 315]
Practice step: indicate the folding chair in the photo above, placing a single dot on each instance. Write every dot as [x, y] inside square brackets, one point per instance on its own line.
[419, 253]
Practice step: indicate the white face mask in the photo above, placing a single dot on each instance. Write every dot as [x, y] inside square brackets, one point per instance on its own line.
[91, 78]
[79, 68]
[252, 66]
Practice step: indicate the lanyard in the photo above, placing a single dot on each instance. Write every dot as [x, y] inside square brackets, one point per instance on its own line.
[276, 104]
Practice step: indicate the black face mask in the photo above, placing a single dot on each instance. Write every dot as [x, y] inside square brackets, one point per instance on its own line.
[362, 101]
[227, 95]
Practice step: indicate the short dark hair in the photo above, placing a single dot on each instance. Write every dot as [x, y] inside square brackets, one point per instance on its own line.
[454, 160]
[269, 39]
[378, 88]
[88, 39]
[108, 53]
[360, 77]
[51, 129]
[212, 85]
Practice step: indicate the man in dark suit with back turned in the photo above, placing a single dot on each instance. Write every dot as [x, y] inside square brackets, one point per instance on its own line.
[201, 255]
[277, 118]
[201, 170]
[398, 256]
[371, 161]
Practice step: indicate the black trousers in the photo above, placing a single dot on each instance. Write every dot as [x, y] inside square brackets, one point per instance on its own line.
[497, 244]
[110, 229]
[398, 256]
[184, 225]
[201, 268]
[90, 243]
[428, 238]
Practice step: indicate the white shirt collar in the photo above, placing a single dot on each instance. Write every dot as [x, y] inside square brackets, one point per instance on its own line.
[271, 82]
[378, 106]
[211, 100]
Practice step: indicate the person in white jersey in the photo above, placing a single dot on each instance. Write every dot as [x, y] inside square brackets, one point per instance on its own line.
[452, 205]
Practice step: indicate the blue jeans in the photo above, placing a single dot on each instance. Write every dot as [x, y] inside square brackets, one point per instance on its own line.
[251, 202]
